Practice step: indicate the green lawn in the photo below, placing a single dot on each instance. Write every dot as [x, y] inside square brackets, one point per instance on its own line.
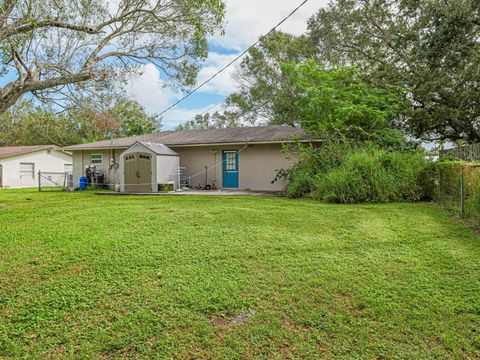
[83, 275]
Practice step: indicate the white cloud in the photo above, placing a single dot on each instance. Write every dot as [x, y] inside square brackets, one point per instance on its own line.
[249, 19]
[223, 83]
[149, 90]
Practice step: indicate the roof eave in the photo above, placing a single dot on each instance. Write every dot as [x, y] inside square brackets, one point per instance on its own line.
[71, 148]
[243, 143]
[29, 152]
[197, 145]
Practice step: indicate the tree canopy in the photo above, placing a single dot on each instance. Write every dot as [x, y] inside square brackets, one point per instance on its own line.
[58, 47]
[429, 47]
[336, 104]
[263, 93]
[216, 120]
[27, 124]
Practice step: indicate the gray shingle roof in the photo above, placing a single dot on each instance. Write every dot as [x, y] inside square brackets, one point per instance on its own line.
[258, 134]
[158, 149]
[8, 151]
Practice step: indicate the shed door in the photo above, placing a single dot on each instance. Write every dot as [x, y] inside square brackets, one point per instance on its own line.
[138, 172]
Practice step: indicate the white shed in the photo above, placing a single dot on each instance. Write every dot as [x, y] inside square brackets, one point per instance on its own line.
[145, 166]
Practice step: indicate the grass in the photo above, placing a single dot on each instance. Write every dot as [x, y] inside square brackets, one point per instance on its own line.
[86, 276]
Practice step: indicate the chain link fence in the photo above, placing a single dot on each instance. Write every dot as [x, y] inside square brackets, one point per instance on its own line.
[458, 181]
[53, 181]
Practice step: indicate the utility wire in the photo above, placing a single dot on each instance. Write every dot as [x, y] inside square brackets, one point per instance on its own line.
[234, 60]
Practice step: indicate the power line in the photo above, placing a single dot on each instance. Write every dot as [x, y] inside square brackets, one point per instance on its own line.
[234, 60]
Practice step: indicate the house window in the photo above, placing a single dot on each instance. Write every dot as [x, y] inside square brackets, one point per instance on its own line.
[27, 170]
[230, 161]
[96, 159]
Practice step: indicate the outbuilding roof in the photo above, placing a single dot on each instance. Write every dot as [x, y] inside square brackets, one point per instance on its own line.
[158, 149]
[9, 151]
[258, 134]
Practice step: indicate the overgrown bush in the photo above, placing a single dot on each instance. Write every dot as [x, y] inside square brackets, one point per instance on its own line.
[352, 120]
[301, 184]
[373, 176]
[361, 175]
[310, 160]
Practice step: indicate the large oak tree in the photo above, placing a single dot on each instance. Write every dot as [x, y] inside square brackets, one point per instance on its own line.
[53, 47]
[264, 94]
[429, 47]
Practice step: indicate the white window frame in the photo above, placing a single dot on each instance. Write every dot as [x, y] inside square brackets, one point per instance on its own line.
[23, 173]
[96, 161]
[231, 161]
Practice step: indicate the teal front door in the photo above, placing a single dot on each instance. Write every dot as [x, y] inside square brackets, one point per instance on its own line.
[230, 169]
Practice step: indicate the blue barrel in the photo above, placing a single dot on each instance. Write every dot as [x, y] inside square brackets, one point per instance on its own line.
[83, 183]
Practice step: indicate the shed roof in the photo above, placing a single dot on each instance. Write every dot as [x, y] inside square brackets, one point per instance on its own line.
[9, 151]
[158, 149]
[258, 134]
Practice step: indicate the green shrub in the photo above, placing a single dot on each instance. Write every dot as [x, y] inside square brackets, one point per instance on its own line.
[358, 173]
[411, 175]
[370, 175]
[311, 160]
[356, 180]
[300, 185]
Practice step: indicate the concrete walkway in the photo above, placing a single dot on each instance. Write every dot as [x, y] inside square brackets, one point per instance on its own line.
[198, 193]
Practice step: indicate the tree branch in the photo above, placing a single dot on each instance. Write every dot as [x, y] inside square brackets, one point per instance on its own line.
[30, 24]
[15, 89]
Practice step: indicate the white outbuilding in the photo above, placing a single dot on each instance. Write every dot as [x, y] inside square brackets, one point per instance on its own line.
[20, 165]
[147, 167]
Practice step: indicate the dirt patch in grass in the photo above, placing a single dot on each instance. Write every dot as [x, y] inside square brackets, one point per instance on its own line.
[227, 321]
[344, 301]
[74, 269]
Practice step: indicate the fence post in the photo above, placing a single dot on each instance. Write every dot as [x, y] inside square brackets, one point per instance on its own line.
[462, 193]
[39, 181]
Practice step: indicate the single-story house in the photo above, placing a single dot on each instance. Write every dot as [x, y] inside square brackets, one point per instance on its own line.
[245, 158]
[19, 165]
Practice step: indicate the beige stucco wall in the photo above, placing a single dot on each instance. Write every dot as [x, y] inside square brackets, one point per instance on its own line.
[44, 160]
[257, 165]
[82, 159]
